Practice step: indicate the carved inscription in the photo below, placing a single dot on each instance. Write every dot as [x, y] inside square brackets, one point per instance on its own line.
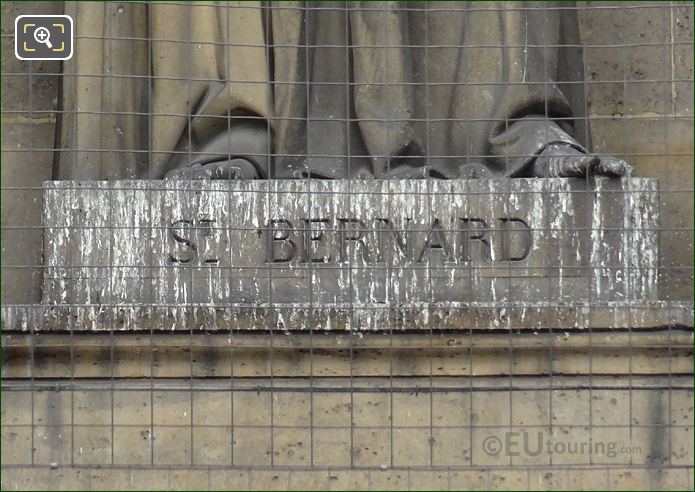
[188, 235]
[331, 240]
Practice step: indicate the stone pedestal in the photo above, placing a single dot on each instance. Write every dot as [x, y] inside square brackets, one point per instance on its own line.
[357, 255]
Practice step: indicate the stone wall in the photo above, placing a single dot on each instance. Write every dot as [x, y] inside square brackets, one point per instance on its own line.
[359, 412]
[29, 99]
[639, 79]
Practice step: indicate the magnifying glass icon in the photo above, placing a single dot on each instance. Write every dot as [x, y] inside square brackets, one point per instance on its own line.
[43, 35]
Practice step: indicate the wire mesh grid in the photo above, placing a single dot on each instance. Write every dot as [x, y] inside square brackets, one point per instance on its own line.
[198, 357]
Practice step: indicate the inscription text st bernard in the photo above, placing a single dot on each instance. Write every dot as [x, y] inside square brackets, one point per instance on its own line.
[329, 241]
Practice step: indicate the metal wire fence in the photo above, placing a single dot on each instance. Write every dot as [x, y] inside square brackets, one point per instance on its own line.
[330, 245]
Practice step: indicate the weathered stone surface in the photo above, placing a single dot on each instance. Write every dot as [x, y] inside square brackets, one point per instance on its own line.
[449, 423]
[203, 355]
[638, 59]
[29, 97]
[354, 244]
[346, 255]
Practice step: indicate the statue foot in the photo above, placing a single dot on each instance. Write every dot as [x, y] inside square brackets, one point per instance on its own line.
[564, 161]
[473, 170]
[231, 169]
[242, 152]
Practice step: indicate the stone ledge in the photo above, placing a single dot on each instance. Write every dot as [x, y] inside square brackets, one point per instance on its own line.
[293, 318]
[248, 355]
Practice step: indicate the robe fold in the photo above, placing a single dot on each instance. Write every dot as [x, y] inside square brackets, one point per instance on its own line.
[356, 89]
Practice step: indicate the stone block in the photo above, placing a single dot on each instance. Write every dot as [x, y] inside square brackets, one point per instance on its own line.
[92, 444]
[614, 447]
[371, 447]
[491, 408]
[451, 446]
[172, 408]
[212, 446]
[292, 447]
[132, 407]
[372, 409]
[389, 479]
[649, 408]
[332, 409]
[530, 408]
[52, 408]
[16, 444]
[229, 479]
[212, 408]
[190, 479]
[640, 478]
[527, 242]
[251, 446]
[52, 444]
[508, 479]
[148, 479]
[547, 479]
[16, 408]
[570, 407]
[428, 480]
[43, 478]
[331, 447]
[292, 409]
[610, 408]
[172, 445]
[649, 445]
[308, 480]
[412, 447]
[91, 407]
[411, 409]
[450, 407]
[252, 409]
[269, 480]
[132, 445]
[348, 480]
[584, 479]
[681, 405]
[471, 480]
[488, 446]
